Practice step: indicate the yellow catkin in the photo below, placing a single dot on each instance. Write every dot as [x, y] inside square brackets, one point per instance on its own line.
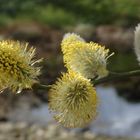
[17, 69]
[69, 39]
[73, 100]
[87, 59]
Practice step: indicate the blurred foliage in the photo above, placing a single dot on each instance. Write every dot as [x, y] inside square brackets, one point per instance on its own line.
[121, 62]
[63, 12]
[55, 17]
[125, 12]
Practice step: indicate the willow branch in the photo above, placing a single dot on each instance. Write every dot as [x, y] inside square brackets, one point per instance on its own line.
[111, 77]
[116, 76]
[41, 86]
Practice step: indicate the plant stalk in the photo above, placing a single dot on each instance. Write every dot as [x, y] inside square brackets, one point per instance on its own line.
[113, 76]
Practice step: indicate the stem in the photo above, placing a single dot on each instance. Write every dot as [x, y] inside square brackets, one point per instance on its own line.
[116, 76]
[113, 76]
[40, 86]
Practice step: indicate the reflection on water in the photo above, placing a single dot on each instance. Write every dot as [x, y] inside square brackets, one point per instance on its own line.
[116, 116]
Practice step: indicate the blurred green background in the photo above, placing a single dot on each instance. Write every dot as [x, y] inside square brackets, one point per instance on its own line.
[60, 13]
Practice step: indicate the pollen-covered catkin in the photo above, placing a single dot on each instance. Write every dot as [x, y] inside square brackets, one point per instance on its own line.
[87, 59]
[17, 70]
[68, 39]
[73, 100]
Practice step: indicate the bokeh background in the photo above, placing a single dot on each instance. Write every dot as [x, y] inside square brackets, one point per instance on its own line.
[43, 23]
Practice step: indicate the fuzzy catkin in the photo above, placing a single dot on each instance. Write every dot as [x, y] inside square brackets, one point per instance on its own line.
[17, 66]
[73, 100]
[137, 42]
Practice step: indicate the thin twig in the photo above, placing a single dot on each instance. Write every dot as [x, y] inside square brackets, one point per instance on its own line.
[113, 76]
[41, 86]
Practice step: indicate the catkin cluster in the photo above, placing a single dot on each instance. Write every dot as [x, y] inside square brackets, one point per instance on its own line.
[73, 98]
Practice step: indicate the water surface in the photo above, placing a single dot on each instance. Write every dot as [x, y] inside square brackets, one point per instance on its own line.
[116, 116]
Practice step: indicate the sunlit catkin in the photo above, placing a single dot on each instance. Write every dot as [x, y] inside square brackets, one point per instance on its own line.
[73, 100]
[17, 70]
[137, 42]
[68, 39]
[87, 59]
